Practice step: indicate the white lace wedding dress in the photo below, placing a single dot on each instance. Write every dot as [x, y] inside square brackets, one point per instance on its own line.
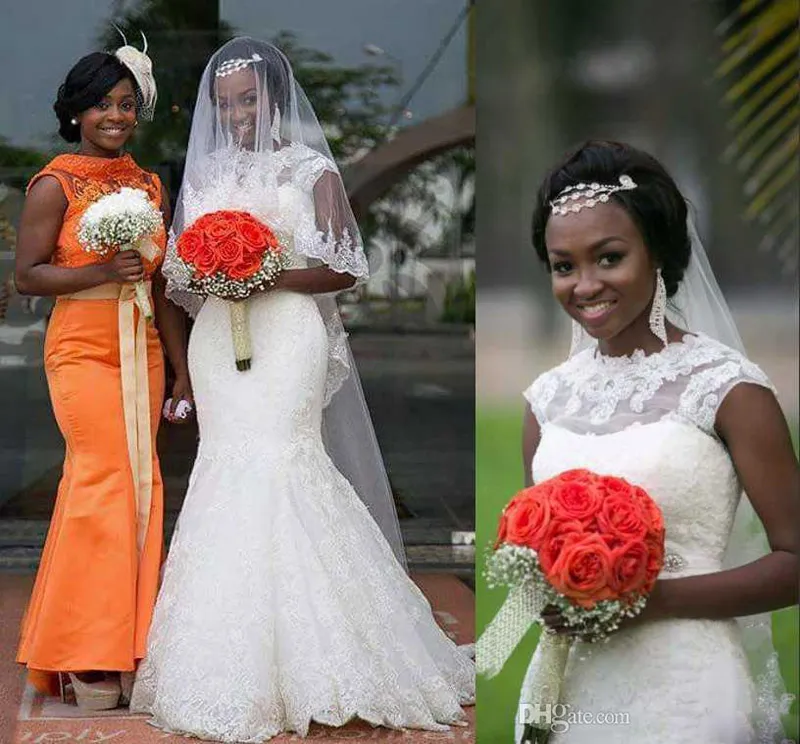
[650, 419]
[282, 602]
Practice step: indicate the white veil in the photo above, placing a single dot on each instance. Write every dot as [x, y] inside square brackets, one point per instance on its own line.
[248, 145]
[699, 306]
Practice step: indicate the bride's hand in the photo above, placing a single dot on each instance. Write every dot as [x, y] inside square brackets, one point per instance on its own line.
[555, 623]
[181, 391]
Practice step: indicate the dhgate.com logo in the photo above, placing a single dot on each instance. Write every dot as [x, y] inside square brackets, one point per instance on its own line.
[559, 717]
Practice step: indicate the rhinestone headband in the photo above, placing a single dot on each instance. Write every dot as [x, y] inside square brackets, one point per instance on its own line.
[228, 67]
[574, 198]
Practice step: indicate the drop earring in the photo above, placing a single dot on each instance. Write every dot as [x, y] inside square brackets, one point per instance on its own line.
[658, 310]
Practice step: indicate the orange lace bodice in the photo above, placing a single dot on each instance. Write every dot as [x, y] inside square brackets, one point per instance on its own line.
[84, 180]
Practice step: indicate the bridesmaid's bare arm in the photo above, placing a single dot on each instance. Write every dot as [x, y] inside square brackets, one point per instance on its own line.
[40, 225]
[171, 322]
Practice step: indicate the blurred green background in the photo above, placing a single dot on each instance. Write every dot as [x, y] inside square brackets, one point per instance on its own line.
[498, 476]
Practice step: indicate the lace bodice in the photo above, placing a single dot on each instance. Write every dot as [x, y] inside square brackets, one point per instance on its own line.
[650, 419]
[278, 188]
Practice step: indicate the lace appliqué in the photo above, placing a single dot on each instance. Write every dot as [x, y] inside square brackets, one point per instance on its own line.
[689, 379]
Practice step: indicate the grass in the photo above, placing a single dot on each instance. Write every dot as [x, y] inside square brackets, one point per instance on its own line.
[498, 477]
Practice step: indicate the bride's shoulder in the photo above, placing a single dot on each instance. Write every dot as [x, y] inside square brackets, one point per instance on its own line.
[306, 164]
[543, 389]
[706, 354]
[301, 154]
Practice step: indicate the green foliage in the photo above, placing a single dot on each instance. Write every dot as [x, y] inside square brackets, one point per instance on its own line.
[459, 301]
[761, 66]
[183, 34]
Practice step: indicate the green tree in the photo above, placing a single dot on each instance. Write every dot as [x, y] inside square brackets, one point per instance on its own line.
[761, 66]
[183, 34]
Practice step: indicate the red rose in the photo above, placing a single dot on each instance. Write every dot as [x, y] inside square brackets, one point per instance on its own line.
[206, 260]
[582, 571]
[629, 567]
[251, 234]
[244, 269]
[579, 474]
[575, 500]
[230, 252]
[190, 244]
[528, 518]
[220, 228]
[655, 560]
[650, 509]
[622, 517]
[554, 540]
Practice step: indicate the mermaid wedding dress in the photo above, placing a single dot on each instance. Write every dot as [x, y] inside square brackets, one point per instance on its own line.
[282, 602]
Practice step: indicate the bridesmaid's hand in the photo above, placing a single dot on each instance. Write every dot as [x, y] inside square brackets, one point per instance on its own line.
[181, 390]
[125, 267]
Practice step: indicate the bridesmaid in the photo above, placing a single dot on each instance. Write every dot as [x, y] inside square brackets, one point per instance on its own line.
[89, 614]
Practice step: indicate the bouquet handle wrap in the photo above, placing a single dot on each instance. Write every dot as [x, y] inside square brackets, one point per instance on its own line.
[541, 690]
[520, 610]
[240, 329]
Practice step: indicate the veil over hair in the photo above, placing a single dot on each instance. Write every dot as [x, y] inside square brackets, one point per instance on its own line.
[700, 307]
[256, 145]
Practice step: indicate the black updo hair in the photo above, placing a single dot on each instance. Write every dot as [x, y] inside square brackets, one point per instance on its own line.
[92, 77]
[656, 206]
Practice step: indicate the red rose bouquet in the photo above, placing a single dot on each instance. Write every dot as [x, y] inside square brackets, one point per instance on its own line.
[589, 545]
[230, 254]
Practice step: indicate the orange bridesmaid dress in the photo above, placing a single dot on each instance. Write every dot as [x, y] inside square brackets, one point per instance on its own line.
[97, 581]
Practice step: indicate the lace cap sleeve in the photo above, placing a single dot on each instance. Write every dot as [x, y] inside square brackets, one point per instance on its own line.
[331, 235]
[710, 384]
[540, 394]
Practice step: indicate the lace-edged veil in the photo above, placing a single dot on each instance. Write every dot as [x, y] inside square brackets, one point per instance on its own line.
[700, 307]
[253, 133]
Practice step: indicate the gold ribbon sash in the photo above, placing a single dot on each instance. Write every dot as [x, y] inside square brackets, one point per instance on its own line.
[135, 393]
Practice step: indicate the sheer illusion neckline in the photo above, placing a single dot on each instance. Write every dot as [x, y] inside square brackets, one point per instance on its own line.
[672, 351]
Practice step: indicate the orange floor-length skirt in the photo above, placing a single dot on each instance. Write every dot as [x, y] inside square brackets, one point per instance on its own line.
[94, 595]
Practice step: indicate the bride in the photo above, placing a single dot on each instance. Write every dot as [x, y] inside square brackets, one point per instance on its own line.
[657, 390]
[285, 598]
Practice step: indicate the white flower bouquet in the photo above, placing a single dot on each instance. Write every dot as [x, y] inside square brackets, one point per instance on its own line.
[124, 220]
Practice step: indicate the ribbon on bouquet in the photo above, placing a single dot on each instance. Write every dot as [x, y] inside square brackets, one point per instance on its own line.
[135, 392]
[520, 610]
[148, 250]
[543, 681]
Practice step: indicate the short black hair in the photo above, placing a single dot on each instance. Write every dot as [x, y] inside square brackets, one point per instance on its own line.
[91, 78]
[656, 206]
